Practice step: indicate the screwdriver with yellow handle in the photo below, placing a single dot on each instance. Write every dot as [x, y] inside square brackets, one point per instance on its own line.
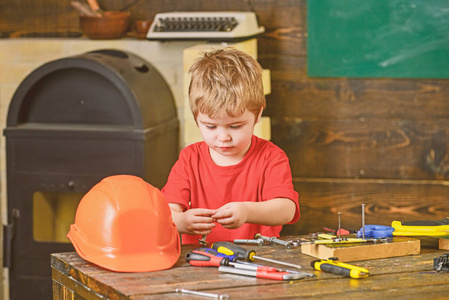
[333, 266]
[229, 248]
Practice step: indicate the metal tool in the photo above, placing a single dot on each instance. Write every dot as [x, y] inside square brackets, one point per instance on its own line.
[333, 266]
[202, 241]
[265, 272]
[248, 255]
[441, 263]
[203, 259]
[363, 221]
[339, 225]
[203, 294]
[249, 242]
[331, 239]
[229, 248]
[216, 253]
[273, 240]
[277, 262]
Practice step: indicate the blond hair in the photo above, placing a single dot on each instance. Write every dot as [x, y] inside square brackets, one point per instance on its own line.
[226, 80]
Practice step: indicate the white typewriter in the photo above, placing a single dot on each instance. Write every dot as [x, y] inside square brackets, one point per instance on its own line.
[223, 26]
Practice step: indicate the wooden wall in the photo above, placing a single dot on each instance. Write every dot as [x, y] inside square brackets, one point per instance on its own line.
[381, 142]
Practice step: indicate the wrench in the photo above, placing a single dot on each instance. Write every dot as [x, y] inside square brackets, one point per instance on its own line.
[273, 240]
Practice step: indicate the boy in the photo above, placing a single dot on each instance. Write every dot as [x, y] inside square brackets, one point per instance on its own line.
[233, 184]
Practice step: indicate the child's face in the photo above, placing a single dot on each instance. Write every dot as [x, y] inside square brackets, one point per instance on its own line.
[228, 138]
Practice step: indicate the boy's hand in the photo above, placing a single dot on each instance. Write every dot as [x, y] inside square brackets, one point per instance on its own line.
[232, 215]
[273, 212]
[199, 221]
[193, 221]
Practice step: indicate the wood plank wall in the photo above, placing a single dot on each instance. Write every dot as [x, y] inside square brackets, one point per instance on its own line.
[381, 142]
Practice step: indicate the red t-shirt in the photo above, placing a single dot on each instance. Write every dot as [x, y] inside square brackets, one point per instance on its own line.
[195, 181]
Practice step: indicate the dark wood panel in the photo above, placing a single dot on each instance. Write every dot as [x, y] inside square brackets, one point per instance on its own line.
[385, 201]
[364, 148]
[295, 94]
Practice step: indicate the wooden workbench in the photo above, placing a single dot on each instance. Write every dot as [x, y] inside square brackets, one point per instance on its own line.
[407, 277]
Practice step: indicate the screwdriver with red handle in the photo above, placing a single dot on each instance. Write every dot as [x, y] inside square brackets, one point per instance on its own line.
[203, 259]
[264, 272]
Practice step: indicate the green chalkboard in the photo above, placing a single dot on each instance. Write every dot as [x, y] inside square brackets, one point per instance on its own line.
[378, 38]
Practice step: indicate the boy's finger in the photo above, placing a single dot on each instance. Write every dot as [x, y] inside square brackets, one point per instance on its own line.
[204, 225]
[224, 221]
[205, 212]
[205, 220]
[221, 214]
[203, 229]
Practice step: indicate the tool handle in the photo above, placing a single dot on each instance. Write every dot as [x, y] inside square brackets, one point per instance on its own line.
[339, 268]
[216, 253]
[271, 275]
[204, 259]
[335, 269]
[232, 249]
[444, 221]
[260, 273]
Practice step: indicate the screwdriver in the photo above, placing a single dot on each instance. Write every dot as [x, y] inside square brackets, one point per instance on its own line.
[264, 272]
[216, 253]
[244, 254]
[232, 249]
[206, 257]
[203, 259]
[333, 266]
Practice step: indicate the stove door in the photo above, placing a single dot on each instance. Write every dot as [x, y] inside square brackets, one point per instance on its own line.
[40, 216]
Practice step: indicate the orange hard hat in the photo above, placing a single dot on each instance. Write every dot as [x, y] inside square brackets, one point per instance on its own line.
[124, 224]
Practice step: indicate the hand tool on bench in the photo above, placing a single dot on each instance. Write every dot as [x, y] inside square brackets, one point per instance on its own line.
[216, 253]
[436, 228]
[234, 258]
[264, 272]
[332, 239]
[242, 253]
[274, 240]
[249, 241]
[363, 221]
[368, 233]
[203, 294]
[333, 266]
[203, 259]
[441, 263]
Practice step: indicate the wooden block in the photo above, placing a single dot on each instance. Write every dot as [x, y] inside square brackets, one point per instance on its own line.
[443, 244]
[400, 246]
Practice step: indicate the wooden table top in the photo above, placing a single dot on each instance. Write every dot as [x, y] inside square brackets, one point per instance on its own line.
[406, 277]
